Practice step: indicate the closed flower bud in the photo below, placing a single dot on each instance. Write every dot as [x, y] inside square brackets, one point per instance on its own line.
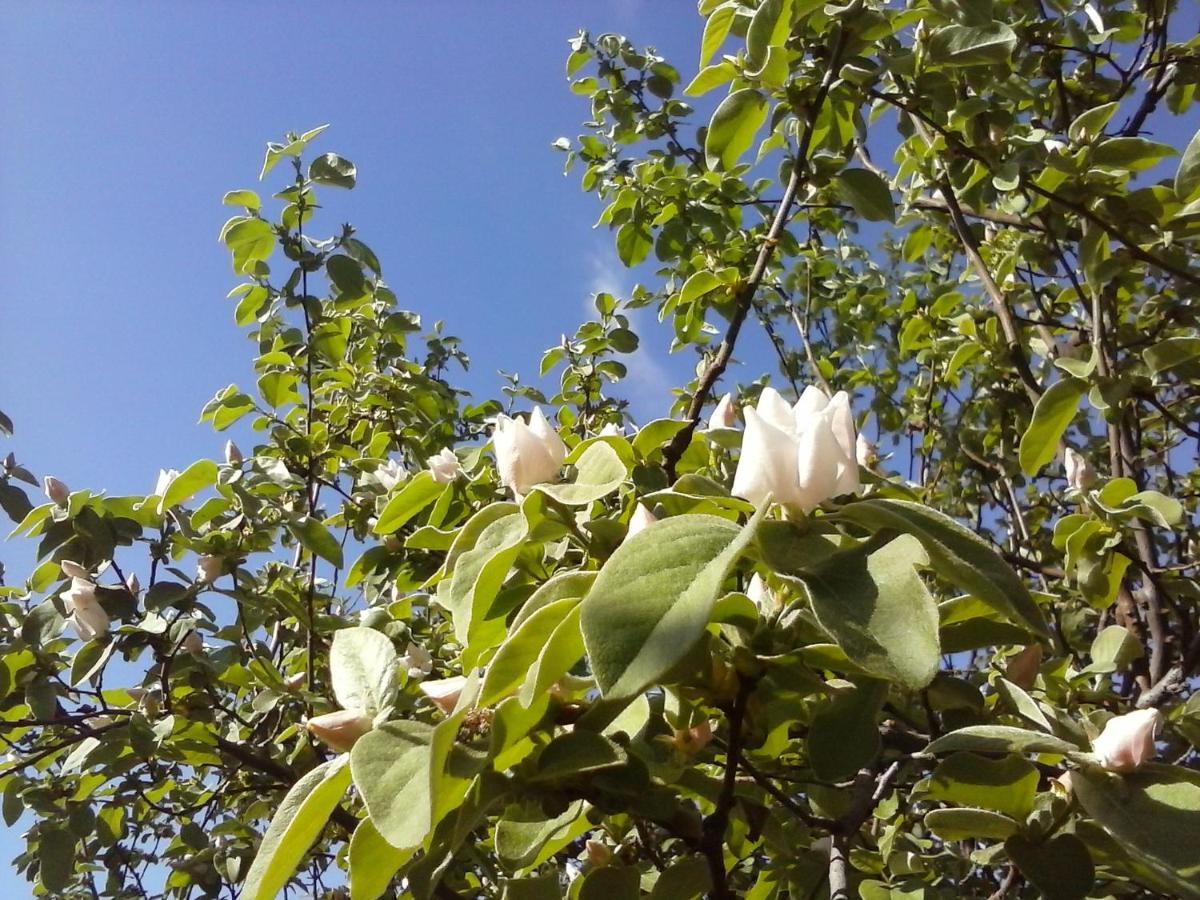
[598, 855]
[165, 477]
[641, 519]
[527, 455]
[233, 456]
[1022, 669]
[764, 598]
[132, 584]
[209, 568]
[57, 491]
[690, 741]
[417, 661]
[444, 692]
[339, 730]
[724, 415]
[193, 643]
[801, 455]
[1127, 741]
[295, 683]
[73, 569]
[444, 467]
[1080, 474]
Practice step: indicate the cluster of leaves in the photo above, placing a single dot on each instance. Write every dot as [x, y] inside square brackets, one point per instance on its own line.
[891, 711]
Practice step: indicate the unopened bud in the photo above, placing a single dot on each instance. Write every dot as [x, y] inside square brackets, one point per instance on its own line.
[444, 692]
[233, 456]
[339, 730]
[57, 491]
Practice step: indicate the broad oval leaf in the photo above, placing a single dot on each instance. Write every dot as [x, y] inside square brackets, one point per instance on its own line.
[317, 539]
[653, 598]
[1053, 413]
[733, 127]
[972, 45]
[414, 495]
[867, 193]
[191, 481]
[599, 472]
[373, 862]
[961, 824]
[363, 668]
[1187, 177]
[1000, 739]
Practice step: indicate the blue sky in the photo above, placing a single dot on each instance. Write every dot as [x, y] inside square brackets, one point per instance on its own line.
[126, 123]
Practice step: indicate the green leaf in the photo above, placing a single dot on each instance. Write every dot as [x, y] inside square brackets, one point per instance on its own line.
[653, 598]
[999, 739]
[1171, 353]
[248, 199]
[333, 170]
[188, 483]
[296, 825]
[347, 276]
[517, 655]
[1051, 416]
[1132, 154]
[957, 554]
[561, 652]
[844, 735]
[575, 753]
[733, 127]
[878, 609]
[539, 887]
[373, 862]
[1187, 176]
[599, 472]
[867, 193]
[414, 495]
[249, 240]
[633, 243]
[684, 879]
[1006, 785]
[1113, 650]
[770, 27]
[968, 824]
[972, 45]
[1061, 868]
[478, 574]
[699, 284]
[316, 538]
[391, 767]
[1089, 124]
[710, 77]
[523, 832]
[1155, 813]
[363, 669]
[56, 859]
[716, 29]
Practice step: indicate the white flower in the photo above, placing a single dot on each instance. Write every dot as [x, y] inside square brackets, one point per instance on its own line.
[390, 474]
[58, 492]
[725, 414]
[1053, 144]
[417, 661]
[165, 477]
[233, 456]
[209, 568]
[612, 430]
[73, 569]
[801, 455]
[86, 615]
[1127, 741]
[339, 730]
[641, 519]
[1080, 474]
[444, 692]
[527, 454]
[444, 467]
[865, 452]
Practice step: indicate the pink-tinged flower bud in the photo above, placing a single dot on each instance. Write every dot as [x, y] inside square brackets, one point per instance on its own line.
[598, 855]
[233, 456]
[690, 741]
[1080, 474]
[193, 643]
[444, 467]
[724, 415]
[339, 730]
[73, 570]
[1127, 741]
[800, 455]
[295, 683]
[444, 692]
[641, 519]
[527, 455]
[209, 568]
[57, 491]
[1022, 669]
[132, 584]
